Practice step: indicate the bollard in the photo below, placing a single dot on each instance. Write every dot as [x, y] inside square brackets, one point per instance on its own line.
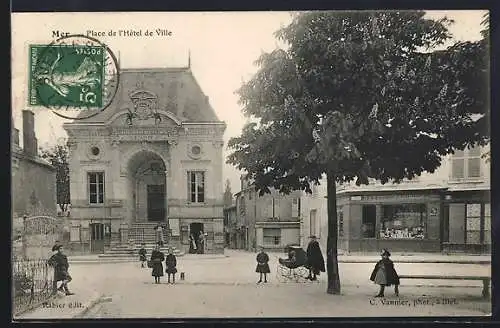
[182, 275]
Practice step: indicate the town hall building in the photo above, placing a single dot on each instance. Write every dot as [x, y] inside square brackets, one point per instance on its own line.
[154, 156]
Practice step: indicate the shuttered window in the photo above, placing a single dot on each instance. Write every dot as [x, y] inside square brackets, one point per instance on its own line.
[466, 164]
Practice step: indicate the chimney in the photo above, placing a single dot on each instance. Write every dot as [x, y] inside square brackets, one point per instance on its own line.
[30, 143]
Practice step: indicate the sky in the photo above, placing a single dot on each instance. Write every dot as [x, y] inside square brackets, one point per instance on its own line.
[223, 48]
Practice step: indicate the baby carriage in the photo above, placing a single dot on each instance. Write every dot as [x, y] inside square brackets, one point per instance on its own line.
[293, 268]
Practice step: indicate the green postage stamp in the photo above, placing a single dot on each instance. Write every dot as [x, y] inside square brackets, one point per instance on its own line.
[67, 75]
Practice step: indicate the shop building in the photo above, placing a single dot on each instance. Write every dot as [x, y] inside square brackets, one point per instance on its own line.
[446, 211]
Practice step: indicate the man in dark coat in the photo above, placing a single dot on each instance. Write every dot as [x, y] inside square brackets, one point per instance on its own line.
[59, 261]
[315, 261]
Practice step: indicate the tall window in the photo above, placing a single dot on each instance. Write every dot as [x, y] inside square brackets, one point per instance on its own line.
[271, 236]
[473, 224]
[196, 186]
[96, 187]
[405, 221]
[295, 207]
[466, 164]
[312, 223]
[487, 223]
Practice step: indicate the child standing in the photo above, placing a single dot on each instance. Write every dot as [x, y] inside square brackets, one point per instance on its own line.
[171, 263]
[262, 265]
[142, 255]
[384, 274]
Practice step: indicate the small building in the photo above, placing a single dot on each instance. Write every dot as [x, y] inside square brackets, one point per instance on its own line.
[271, 220]
[33, 178]
[448, 210]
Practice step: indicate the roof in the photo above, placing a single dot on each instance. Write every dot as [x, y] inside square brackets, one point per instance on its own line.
[37, 160]
[175, 89]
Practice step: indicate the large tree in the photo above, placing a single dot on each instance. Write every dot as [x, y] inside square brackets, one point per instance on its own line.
[359, 96]
[58, 157]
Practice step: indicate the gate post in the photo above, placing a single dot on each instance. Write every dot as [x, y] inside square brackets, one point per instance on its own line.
[24, 239]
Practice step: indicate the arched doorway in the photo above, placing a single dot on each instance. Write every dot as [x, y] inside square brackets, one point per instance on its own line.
[147, 187]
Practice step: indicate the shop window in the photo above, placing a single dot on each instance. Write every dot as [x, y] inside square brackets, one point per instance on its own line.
[340, 221]
[369, 220]
[96, 187]
[487, 224]
[405, 221]
[272, 236]
[473, 224]
[466, 164]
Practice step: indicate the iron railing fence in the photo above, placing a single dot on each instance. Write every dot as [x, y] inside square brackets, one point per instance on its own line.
[32, 283]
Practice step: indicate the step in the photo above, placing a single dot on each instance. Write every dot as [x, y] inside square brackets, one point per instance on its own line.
[134, 256]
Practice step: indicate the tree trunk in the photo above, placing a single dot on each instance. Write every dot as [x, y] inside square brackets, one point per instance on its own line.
[332, 265]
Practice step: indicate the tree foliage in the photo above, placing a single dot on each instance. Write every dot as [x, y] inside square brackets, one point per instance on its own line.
[381, 107]
[58, 157]
[359, 96]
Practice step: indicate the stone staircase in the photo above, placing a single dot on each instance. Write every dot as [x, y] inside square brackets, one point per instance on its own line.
[140, 232]
[132, 251]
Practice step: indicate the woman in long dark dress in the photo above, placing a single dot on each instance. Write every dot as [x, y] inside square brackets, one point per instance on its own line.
[262, 265]
[157, 257]
[384, 274]
[315, 260]
[171, 264]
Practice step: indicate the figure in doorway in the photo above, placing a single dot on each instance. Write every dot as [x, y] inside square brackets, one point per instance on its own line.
[384, 274]
[59, 261]
[157, 257]
[262, 265]
[171, 264]
[192, 244]
[315, 260]
[159, 235]
[201, 243]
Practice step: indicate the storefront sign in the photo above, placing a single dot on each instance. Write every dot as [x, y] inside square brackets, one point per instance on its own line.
[391, 197]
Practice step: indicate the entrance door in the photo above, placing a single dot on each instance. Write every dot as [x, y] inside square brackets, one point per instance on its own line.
[96, 237]
[156, 202]
[195, 230]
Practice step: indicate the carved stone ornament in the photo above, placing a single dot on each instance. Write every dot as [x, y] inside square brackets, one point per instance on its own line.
[94, 151]
[145, 104]
[194, 151]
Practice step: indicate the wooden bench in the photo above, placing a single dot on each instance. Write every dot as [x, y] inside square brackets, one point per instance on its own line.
[485, 279]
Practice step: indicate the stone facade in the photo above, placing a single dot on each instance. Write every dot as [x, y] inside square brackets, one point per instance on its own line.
[153, 156]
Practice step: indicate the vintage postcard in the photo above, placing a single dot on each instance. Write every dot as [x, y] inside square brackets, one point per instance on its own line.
[251, 164]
